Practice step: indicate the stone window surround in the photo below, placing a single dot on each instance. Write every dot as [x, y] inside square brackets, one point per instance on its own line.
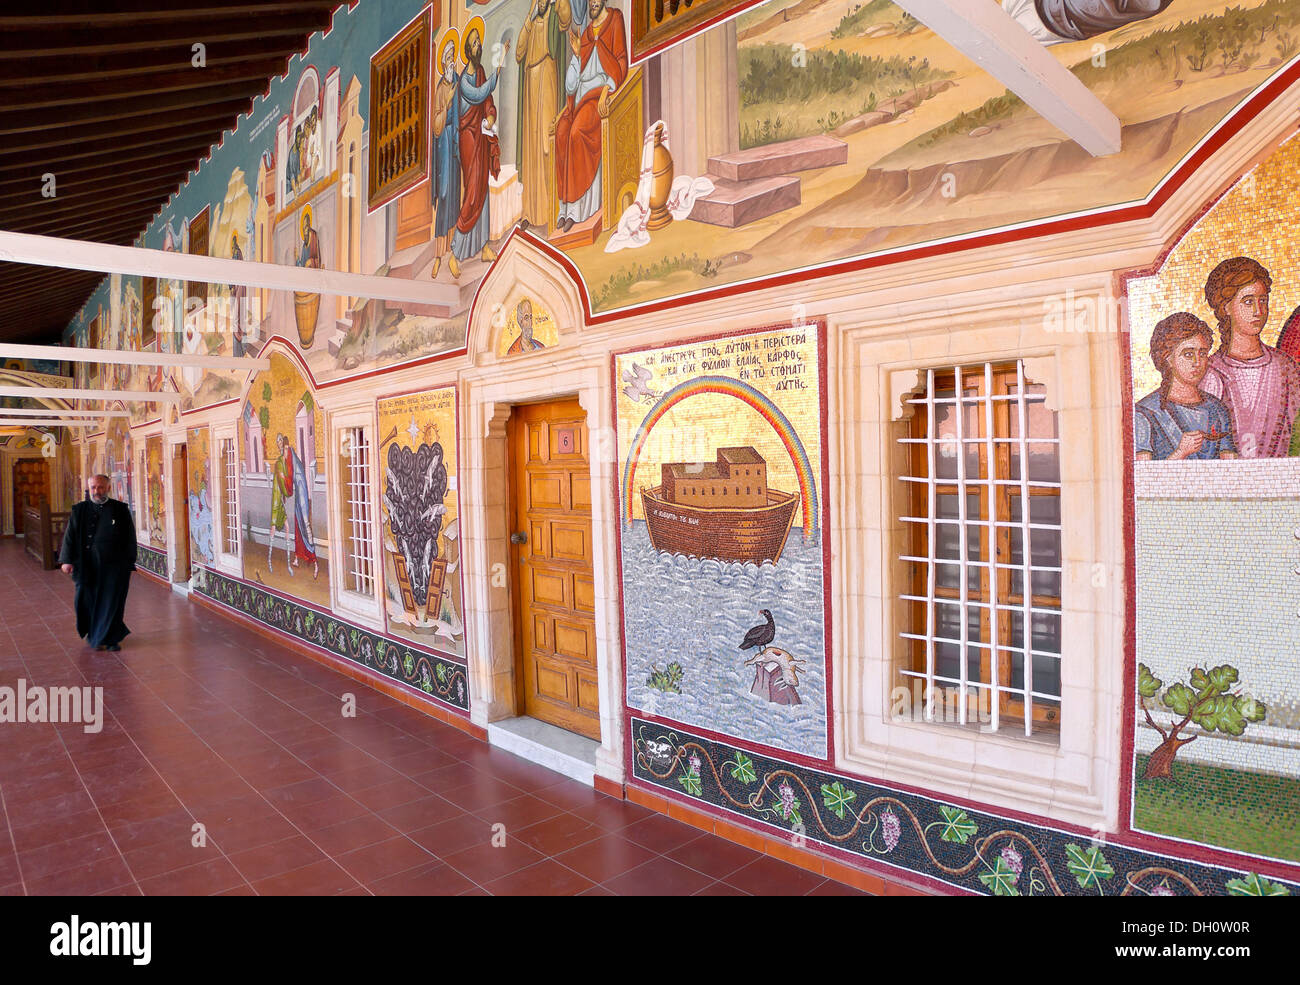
[228, 563]
[879, 361]
[368, 610]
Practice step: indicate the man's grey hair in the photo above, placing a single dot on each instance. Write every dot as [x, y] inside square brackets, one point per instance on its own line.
[101, 475]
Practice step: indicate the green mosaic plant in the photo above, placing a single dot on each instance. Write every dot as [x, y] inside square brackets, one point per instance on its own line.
[668, 679]
[1209, 703]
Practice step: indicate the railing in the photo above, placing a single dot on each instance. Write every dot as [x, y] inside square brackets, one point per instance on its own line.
[43, 533]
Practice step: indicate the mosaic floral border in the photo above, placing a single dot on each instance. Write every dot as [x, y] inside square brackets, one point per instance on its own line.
[969, 849]
[440, 679]
[152, 561]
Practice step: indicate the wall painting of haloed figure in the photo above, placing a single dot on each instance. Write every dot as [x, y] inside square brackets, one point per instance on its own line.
[199, 498]
[724, 572]
[419, 520]
[1215, 336]
[156, 493]
[282, 498]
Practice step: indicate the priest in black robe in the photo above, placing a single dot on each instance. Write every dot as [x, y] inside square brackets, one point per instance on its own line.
[99, 552]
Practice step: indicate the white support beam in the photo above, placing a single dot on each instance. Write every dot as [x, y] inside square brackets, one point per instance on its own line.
[126, 396]
[96, 415]
[987, 35]
[73, 254]
[128, 357]
[17, 422]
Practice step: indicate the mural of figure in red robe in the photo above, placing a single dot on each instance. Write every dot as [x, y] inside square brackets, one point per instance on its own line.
[599, 68]
[480, 153]
[291, 480]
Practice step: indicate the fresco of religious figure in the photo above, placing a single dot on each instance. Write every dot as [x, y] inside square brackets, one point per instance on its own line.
[525, 342]
[599, 68]
[543, 46]
[480, 152]
[446, 154]
[291, 481]
[1259, 384]
[1180, 420]
[238, 301]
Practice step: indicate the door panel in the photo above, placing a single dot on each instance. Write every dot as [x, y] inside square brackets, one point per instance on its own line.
[554, 597]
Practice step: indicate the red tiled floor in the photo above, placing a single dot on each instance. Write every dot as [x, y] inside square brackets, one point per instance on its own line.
[208, 723]
[659, 877]
[606, 857]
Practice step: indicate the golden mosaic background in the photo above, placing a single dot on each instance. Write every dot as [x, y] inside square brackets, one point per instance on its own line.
[1257, 218]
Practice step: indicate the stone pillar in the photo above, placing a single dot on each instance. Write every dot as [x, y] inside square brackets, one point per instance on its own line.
[700, 98]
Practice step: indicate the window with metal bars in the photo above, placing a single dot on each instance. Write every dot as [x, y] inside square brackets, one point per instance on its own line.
[357, 521]
[982, 443]
[229, 487]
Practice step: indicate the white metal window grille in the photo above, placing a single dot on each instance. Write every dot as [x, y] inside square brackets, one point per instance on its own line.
[356, 460]
[983, 443]
[230, 478]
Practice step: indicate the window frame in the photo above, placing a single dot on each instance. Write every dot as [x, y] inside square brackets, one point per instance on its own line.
[988, 404]
[227, 562]
[877, 358]
[366, 608]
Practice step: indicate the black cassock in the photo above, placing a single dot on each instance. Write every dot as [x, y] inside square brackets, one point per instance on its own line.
[99, 542]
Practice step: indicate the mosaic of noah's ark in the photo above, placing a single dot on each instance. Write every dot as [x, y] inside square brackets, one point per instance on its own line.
[1215, 336]
[800, 133]
[721, 479]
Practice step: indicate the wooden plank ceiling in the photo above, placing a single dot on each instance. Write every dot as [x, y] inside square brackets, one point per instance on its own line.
[104, 96]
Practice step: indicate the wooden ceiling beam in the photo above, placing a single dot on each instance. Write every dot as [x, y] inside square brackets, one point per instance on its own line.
[116, 151]
[104, 227]
[107, 173]
[36, 93]
[141, 12]
[134, 194]
[178, 57]
[219, 118]
[77, 40]
[27, 120]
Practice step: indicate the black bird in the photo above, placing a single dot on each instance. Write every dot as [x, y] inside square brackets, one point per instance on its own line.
[760, 636]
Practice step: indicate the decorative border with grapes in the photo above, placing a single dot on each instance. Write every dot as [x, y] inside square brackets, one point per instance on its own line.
[440, 679]
[152, 561]
[969, 849]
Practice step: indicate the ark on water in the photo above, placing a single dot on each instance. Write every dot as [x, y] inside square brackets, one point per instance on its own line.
[723, 509]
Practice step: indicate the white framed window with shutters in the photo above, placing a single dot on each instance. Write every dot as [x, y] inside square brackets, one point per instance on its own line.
[355, 580]
[229, 530]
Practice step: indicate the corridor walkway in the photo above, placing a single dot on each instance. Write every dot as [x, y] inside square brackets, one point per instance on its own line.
[207, 723]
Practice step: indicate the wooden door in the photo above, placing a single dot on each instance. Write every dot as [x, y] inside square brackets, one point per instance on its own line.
[553, 597]
[181, 510]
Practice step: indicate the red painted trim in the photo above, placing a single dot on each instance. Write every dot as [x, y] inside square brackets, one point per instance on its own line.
[1229, 127]
[819, 327]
